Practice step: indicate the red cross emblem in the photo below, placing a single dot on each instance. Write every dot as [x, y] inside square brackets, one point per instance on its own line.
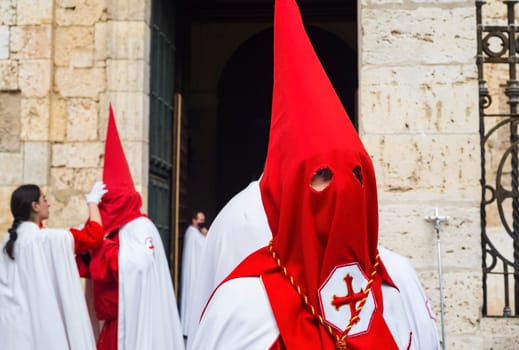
[349, 299]
[340, 295]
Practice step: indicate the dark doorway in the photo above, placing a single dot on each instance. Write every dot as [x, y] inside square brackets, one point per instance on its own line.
[244, 104]
[227, 82]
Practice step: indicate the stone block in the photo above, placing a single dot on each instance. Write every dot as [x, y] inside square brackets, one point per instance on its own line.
[34, 77]
[7, 12]
[418, 75]
[8, 75]
[125, 75]
[82, 120]
[134, 10]
[463, 299]
[36, 162]
[131, 111]
[68, 208]
[128, 40]
[73, 178]
[77, 154]
[58, 119]
[34, 11]
[12, 168]
[9, 122]
[35, 119]
[4, 42]
[412, 36]
[446, 164]
[31, 41]
[80, 82]
[72, 42]
[403, 229]
[82, 13]
[406, 108]
[499, 333]
[82, 58]
[470, 341]
[101, 40]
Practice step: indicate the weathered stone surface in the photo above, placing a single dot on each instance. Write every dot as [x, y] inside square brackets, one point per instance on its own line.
[58, 119]
[418, 75]
[403, 229]
[4, 42]
[34, 77]
[135, 10]
[101, 40]
[395, 36]
[7, 12]
[80, 12]
[77, 154]
[34, 11]
[441, 163]
[421, 108]
[74, 178]
[131, 111]
[35, 119]
[8, 75]
[82, 120]
[128, 40]
[72, 44]
[125, 75]
[68, 208]
[9, 122]
[12, 168]
[80, 82]
[36, 162]
[31, 41]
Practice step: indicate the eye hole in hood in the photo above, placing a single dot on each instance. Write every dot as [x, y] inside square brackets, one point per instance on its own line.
[321, 179]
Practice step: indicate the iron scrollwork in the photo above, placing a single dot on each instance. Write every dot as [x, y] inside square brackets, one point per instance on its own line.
[498, 45]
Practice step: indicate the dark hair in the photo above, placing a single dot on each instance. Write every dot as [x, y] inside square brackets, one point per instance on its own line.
[21, 208]
[194, 214]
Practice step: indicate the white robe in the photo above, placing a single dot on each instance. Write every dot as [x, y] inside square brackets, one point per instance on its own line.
[42, 305]
[192, 253]
[240, 228]
[148, 314]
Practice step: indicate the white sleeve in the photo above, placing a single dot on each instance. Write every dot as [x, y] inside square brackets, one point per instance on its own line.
[238, 317]
[415, 301]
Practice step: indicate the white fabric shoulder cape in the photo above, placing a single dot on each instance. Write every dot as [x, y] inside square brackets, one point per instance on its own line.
[191, 255]
[42, 305]
[148, 315]
[241, 228]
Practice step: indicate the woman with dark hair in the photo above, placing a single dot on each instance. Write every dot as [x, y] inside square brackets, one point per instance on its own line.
[41, 297]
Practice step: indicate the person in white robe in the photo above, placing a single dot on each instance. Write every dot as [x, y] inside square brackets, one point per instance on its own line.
[194, 240]
[42, 305]
[131, 282]
[245, 310]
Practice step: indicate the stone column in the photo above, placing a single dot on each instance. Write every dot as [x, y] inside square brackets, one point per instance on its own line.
[419, 121]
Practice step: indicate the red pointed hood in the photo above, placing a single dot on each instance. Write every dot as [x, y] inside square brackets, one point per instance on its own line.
[314, 232]
[122, 202]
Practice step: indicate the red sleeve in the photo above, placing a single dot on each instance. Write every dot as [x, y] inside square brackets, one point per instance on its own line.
[105, 260]
[89, 237]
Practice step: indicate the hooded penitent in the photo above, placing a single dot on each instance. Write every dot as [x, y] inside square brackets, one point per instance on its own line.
[122, 203]
[321, 271]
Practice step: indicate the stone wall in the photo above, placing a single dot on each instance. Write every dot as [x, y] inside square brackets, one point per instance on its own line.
[418, 99]
[61, 63]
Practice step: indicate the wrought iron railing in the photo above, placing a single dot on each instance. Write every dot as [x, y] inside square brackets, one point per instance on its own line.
[497, 57]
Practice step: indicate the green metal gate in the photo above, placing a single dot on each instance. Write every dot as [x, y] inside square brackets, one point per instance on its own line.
[161, 190]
